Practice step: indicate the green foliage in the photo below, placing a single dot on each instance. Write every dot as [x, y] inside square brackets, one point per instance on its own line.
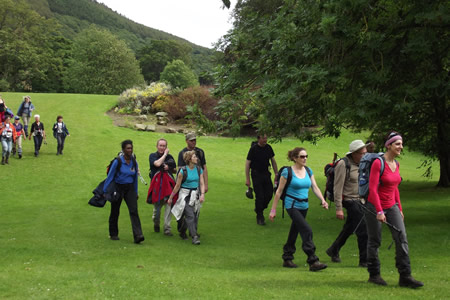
[101, 64]
[177, 74]
[32, 50]
[141, 100]
[157, 54]
[344, 64]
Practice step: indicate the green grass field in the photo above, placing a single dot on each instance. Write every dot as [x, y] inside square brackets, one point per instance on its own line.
[53, 245]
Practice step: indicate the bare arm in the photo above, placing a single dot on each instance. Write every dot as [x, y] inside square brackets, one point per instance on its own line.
[205, 179]
[273, 211]
[176, 188]
[202, 188]
[274, 165]
[247, 172]
[317, 192]
[160, 161]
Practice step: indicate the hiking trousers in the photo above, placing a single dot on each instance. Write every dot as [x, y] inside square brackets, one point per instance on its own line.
[354, 223]
[6, 146]
[393, 217]
[60, 138]
[128, 193]
[263, 187]
[167, 215]
[37, 143]
[300, 226]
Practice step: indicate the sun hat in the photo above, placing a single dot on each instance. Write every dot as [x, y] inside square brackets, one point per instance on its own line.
[355, 146]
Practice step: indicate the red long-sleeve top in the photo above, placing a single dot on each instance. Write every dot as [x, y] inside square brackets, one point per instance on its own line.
[385, 194]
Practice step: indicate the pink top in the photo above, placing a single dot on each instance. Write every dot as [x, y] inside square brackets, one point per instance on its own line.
[385, 194]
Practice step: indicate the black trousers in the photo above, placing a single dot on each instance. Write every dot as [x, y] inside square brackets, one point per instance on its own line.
[300, 226]
[60, 138]
[128, 193]
[37, 143]
[263, 187]
[355, 220]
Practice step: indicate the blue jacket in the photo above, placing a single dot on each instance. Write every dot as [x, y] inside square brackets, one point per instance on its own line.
[64, 129]
[125, 175]
[19, 111]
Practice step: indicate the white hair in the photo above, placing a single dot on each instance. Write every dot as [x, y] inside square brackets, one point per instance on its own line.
[37, 116]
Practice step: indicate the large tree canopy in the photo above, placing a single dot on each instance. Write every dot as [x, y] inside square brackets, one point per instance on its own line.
[358, 64]
[178, 75]
[101, 64]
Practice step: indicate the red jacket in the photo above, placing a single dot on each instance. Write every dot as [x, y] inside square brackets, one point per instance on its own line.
[161, 187]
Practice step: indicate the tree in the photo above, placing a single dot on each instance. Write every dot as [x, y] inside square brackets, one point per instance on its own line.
[177, 74]
[31, 49]
[101, 64]
[157, 54]
[375, 65]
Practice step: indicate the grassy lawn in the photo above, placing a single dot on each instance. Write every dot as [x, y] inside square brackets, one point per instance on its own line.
[53, 245]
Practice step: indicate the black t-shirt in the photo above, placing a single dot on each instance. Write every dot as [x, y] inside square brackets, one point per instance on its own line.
[170, 161]
[198, 152]
[37, 129]
[259, 157]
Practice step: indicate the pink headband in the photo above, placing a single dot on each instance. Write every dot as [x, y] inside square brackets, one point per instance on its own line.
[393, 139]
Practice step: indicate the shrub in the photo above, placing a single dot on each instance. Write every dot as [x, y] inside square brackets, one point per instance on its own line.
[176, 105]
[137, 100]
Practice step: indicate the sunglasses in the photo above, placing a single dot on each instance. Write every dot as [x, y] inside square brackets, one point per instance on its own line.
[302, 156]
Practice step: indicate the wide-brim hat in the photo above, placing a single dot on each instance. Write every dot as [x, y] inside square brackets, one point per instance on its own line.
[355, 146]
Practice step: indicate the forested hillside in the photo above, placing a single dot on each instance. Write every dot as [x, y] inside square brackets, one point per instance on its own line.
[38, 37]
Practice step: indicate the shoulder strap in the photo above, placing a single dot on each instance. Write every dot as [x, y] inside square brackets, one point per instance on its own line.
[184, 173]
[308, 170]
[347, 166]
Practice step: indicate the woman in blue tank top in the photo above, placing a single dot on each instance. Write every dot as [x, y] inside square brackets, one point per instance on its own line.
[191, 188]
[296, 203]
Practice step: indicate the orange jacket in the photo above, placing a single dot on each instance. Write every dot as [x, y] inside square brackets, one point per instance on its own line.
[13, 129]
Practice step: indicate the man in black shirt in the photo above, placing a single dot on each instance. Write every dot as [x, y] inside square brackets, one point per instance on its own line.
[162, 161]
[259, 158]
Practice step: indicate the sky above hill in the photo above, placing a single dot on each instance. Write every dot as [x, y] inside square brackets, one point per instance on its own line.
[201, 22]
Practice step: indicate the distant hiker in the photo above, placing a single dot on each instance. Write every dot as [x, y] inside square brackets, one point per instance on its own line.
[258, 160]
[24, 111]
[191, 187]
[370, 146]
[7, 136]
[4, 111]
[125, 176]
[60, 132]
[38, 133]
[17, 147]
[346, 195]
[191, 142]
[296, 204]
[162, 161]
[385, 207]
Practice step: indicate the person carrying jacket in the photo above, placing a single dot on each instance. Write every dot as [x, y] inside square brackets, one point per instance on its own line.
[60, 132]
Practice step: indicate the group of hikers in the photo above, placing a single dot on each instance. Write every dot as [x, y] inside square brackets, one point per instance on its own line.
[12, 134]
[182, 196]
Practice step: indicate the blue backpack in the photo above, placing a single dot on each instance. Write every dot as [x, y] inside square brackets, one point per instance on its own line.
[364, 171]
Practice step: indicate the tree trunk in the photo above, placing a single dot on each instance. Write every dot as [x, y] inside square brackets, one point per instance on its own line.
[443, 142]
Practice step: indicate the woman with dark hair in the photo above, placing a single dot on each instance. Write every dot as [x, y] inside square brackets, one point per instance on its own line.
[191, 185]
[296, 203]
[384, 203]
[124, 173]
[60, 132]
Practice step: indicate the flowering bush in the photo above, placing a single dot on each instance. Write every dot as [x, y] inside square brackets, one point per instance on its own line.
[140, 101]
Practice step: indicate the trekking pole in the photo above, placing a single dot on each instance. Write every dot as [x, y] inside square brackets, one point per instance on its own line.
[142, 179]
[386, 222]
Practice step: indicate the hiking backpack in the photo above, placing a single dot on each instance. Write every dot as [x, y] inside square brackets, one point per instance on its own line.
[288, 181]
[329, 174]
[365, 166]
[119, 162]
[185, 173]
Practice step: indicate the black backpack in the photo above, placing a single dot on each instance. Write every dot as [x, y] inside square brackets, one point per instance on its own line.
[329, 174]
[288, 181]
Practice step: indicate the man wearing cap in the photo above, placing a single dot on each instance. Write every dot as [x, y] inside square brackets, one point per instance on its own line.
[191, 142]
[258, 160]
[20, 132]
[346, 195]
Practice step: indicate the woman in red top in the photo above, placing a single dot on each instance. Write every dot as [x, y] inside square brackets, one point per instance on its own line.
[384, 202]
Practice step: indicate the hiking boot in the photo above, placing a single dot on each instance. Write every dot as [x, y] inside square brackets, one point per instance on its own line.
[7, 160]
[183, 236]
[114, 238]
[289, 264]
[260, 222]
[317, 266]
[168, 233]
[334, 257]
[20, 155]
[157, 228]
[195, 240]
[138, 239]
[377, 280]
[3, 160]
[409, 281]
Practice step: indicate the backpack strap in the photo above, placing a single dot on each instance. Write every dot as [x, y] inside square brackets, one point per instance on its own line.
[288, 181]
[347, 167]
[382, 160]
